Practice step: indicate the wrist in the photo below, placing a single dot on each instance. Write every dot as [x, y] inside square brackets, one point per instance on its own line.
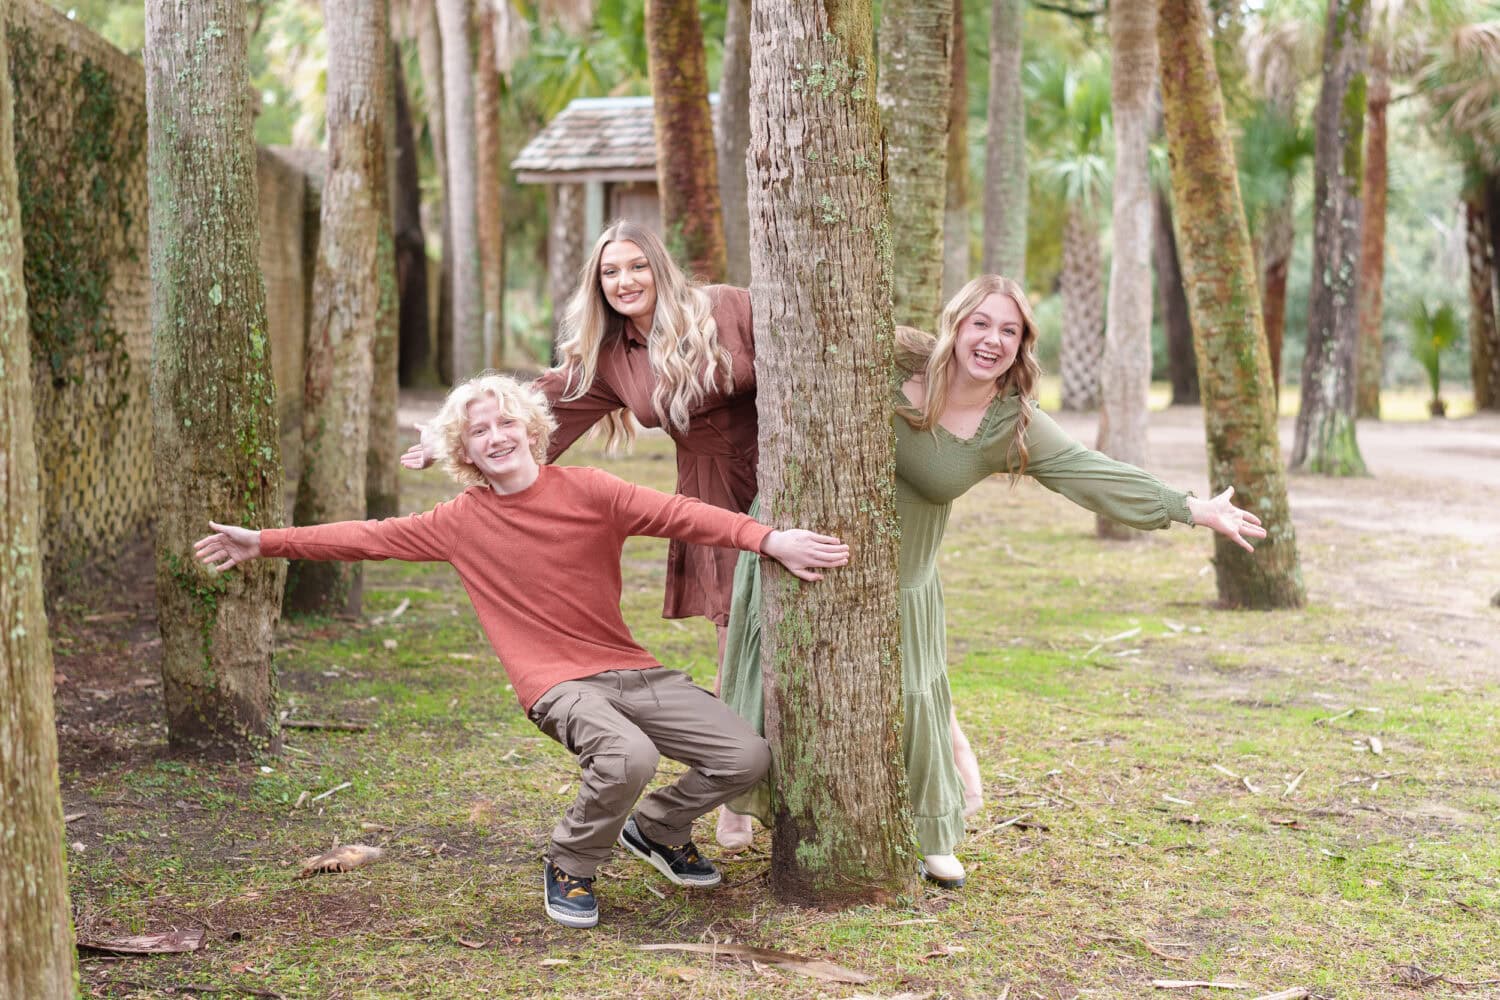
[1194, 510]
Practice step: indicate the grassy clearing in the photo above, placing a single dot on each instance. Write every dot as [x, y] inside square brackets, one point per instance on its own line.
[1173, 792]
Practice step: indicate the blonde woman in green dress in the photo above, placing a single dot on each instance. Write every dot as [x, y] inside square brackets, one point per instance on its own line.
[965, 410]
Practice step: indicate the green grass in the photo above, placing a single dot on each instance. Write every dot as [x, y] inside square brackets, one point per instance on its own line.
[1106, 698]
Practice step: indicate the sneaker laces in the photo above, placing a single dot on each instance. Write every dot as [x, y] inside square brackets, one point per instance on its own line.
[577, 886]
[689, 851]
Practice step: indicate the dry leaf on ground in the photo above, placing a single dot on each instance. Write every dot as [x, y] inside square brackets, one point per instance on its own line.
[340, 859]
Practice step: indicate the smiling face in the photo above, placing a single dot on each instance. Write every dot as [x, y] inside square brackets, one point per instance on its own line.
[628, 284]
[988, 339]
[497, 445]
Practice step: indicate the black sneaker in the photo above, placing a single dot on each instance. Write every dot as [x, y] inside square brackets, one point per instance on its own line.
[681, 862]
[570, 901]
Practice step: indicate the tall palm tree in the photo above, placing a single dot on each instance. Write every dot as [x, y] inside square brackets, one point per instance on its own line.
[1005, 187]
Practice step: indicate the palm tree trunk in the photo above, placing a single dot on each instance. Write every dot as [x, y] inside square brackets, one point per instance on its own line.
[1325, 442]
[1005, 146]
[567, 245]
[1083, 311]
[414, 349]
[823, 353]
[454, 25]
[1125, 371]
[732, 138]
[915, 87]
[211, 379]
[490, 171]
[687, 171]
[1239, 407]
[36, 947]
[382, 457]
[956, 206]
[1484, 331]
[1276, 244]
[1182, 361]
[430, 56]
[1370, 364]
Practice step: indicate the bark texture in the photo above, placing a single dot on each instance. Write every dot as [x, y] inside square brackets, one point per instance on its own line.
[1083, 311]
[821, 253]
[732, 139]
[346, 301]
[1276, 244]
[1325, 443]
[1371, 364]
[915, 88]
[216, 444]
[956, 210]
[1182, 360]
[1125, 376]
[414, 353]
[491, 224]
[1005, 146]
[1239, 407]
[382, 456]
[567, 245]
[1484, 330]
[36, 945]
[458, 117]
[687, 173]
[430, 57]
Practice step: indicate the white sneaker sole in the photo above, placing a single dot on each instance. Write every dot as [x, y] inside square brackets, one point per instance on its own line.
[567, 919]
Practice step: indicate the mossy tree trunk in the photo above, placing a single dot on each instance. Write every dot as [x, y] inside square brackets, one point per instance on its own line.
[1218, 266]
[383, 455]
[1484, 329]
[455, 25]
[1325, 442]
[414, 354]
[430, 58]
[821, 252]
[1005, 150]
[956, 206]
[1082, 284]
[1182, 360]
[491, 225]
[36, 945]
[1125, 371]
[1370, 364]
[915, 87]
[216, 443]
[732, 138]
[687, 172]
[347, 300]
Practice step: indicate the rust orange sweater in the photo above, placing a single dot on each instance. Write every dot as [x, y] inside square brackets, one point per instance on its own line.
[542, 566]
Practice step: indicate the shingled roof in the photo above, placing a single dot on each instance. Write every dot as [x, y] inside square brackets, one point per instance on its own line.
[593, 139]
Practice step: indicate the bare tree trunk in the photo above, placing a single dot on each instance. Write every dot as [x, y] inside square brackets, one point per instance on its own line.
[346, 300]
[1182, 361]
[915, 87]
[1484, 331]
[211, 379]
[1005, 152]
[36, 945]
[413, 355]
[1370, 364]
[1125, 371]
[1239, 408]
[732, 139]
[1325, 443]
[1276, 241]
[823, 338]
[458, 116]
[491, 226]
[687, 173]
[430, 55]
[382, 457]
[1083, 312]
[567, 246]
[956, 208]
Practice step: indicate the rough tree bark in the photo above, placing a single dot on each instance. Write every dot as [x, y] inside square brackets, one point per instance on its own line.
[687, 173]
[1484, 330]
[1125, 371]
[567, 245]
[1005, 146]
[453, 18]
[491, 225]
[956, 207]
[211, 379]
[915, 87]
[1239, 407]
[383, 453]
[346, 301]
[36, 945]
[821, 252]
[1370, 362]
[1325, 442]
[1182, 360]
[430, 56]
[414, 349]
[732, 138]
[1083, 311]
[1276, 239]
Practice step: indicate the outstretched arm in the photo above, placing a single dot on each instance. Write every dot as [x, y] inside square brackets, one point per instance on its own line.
[804, 552]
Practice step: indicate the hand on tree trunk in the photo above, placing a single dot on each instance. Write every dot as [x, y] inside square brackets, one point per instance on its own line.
[227, 547]
[1227, 519]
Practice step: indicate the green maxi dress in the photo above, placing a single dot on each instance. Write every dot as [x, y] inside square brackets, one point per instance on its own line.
[932, 470]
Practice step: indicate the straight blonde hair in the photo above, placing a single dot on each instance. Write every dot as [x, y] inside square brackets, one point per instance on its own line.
[933, 357]
[683, 349]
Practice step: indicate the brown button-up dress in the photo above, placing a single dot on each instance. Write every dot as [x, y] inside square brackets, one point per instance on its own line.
[716, 456]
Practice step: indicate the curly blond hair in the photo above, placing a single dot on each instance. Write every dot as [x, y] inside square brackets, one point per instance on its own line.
[517, 400]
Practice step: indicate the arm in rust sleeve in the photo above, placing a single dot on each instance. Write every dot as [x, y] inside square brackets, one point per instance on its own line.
[415, 538]
[641, 511]
[574, 416]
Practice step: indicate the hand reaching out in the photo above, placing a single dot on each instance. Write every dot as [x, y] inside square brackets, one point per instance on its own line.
[227, 547]
[1228, 520]
[423, 453]
[802, 552]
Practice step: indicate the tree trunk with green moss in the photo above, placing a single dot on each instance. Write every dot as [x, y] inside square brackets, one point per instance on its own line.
[347, 294]
[956, 208]
[687, 173]
[216, 442]
[821, 252]
[1239, 407]
[914, 90]
[36, 945]
[1005, 146]
[1370, 365]
[1325, 443]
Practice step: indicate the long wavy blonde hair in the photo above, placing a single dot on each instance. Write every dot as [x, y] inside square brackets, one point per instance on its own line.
[933, 358]
[683, 349]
